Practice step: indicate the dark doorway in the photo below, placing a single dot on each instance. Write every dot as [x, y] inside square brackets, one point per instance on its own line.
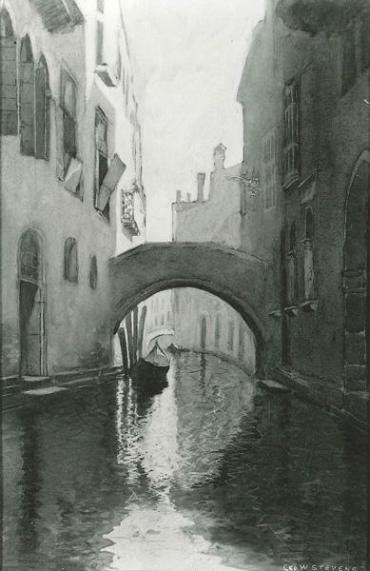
[203, 333]
[31, 307]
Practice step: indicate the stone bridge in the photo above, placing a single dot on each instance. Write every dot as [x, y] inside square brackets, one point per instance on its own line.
[234, 276]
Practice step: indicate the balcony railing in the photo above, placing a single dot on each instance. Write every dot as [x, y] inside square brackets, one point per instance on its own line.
[128, 213]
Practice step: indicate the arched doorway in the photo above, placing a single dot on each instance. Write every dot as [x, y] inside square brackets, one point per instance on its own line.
[31, 306]
[356, 261]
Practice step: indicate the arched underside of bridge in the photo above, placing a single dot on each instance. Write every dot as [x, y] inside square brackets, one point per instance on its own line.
[231, 275]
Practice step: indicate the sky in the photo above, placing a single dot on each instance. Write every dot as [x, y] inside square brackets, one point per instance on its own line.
[188, 57]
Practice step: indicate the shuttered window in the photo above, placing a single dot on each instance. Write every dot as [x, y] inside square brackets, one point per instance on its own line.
[42, 110]
[66, 125]
[8, 77]
[27, 98]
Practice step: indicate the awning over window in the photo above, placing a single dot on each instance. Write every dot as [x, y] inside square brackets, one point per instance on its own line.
[73, 176]
[111, 179]
[58, 15]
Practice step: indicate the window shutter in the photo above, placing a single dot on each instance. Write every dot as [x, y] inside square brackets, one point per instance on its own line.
[59, 143]
[73, 176]
[8, 87]
[27, 111]
[42, 113]
[111, 179]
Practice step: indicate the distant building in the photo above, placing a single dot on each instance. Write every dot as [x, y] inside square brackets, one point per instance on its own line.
[305, 99]
[72, 192]
[203, 322]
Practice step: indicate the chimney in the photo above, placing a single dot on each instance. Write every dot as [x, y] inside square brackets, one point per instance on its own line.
[201, 177]
[178, 195]
[219, 156]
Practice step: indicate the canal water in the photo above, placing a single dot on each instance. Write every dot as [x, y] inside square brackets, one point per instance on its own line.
[213, 474]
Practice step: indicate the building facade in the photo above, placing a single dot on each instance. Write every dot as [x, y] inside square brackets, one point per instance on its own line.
[305, 100]
[203, 322]
[71, 185]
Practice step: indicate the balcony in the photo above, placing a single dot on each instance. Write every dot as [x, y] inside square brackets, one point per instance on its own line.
[128, 213]
[59, 15]
[314, 16]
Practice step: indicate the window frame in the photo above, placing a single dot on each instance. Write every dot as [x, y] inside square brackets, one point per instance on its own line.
[43, 152]
[100, 152]
[269, 169]
[292, 135]
[68, 117]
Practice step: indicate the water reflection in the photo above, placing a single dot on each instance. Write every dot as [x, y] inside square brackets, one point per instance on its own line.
[210, 474]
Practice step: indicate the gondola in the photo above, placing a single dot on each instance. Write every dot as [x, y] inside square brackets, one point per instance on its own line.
[150, 374]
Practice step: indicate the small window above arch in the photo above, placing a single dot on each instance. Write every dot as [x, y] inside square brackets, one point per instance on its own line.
[71, 260]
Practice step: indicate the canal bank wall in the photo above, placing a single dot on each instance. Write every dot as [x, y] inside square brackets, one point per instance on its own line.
[16, 391]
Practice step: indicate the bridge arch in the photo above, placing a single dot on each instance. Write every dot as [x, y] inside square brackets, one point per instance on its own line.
[234, 276]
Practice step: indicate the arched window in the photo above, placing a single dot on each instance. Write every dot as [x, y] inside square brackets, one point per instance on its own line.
[93, 274]
[71, 260]
[30, 257]
[27, 98]
[308, 267]
[8, 66]
[42, 109]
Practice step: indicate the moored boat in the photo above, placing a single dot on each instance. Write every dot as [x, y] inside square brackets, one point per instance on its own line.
[150, 371]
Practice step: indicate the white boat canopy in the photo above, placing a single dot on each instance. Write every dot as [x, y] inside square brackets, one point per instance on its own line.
[159, 333]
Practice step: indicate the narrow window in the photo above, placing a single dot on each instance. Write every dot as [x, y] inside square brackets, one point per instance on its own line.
[217, 332]
[241, 342]
[8, 67]
[27, 98]
[243, 199]
[101, 156]
[309, 276]
[349, 59]
[70, 260]
[68, 122]
[291, 132]
[269, 170]
[93, 274]
[42, 110]
[100, 6]
[99, 41]
[292, 266]
[230, 344]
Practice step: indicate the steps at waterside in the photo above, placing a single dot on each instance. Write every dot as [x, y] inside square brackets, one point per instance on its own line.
[44, 391]
[34, 382]
[273, 386]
